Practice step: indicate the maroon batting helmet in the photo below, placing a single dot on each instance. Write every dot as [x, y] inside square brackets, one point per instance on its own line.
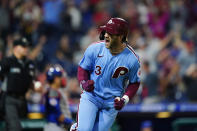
[116, 26]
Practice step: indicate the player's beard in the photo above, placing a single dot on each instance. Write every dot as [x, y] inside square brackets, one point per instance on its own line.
[110, 43]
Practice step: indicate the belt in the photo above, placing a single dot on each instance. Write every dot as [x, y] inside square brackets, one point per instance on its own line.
[17, 96]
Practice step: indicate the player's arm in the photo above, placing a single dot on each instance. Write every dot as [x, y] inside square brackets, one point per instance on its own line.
[85, 66]
[131, 90]
[134, 83]
[65, 120]
[4, 67]
[84, 79]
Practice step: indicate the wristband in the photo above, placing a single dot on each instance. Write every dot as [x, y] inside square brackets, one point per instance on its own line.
[126, 99]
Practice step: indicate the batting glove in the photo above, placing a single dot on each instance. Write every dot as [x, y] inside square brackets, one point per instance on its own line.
[87, 85]
[119, 103]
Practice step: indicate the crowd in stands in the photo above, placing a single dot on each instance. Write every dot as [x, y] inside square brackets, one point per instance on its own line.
[162, 32]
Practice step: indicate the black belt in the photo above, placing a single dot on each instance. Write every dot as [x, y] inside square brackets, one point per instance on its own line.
[15, 95]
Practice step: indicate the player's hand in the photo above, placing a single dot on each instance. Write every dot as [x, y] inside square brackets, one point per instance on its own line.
[88, 85]
[119, 103]
[68, 121]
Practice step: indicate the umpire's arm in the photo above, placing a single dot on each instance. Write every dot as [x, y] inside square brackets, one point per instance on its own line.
[4, 68]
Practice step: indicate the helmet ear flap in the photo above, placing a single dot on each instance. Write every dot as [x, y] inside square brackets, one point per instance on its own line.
[124, 39]
[102, 35]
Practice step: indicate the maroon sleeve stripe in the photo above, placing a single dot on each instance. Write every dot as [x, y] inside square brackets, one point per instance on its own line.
[132, 89]
[82, 74]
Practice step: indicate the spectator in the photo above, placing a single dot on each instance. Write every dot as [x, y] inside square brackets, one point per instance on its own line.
[52, 15]
[150, 82]
[186, 57]
[35, 96]
[190, 81]
[74, 91]
[75, 15]
[4, 13]
[64, 46]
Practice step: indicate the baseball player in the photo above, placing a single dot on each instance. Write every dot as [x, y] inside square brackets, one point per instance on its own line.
[109, 76]
[57, 113]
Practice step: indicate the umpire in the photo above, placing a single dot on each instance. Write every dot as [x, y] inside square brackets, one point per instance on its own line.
[18, 73]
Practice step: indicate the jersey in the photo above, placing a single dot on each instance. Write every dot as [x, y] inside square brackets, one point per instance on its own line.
[110, 72]
[19, 74]
[56, 104]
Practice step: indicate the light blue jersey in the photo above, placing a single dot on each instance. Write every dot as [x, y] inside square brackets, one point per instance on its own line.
[110, 73]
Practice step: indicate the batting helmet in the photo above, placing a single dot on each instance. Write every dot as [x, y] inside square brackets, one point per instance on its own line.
[116, 26]
[53, 72]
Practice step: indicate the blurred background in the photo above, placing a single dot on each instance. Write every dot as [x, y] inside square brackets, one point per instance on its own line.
[162, 32]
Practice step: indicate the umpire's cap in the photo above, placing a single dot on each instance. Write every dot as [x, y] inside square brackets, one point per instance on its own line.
[116, 26]
[21, 41]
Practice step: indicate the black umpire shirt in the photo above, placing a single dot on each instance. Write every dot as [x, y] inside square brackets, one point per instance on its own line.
[18, 73]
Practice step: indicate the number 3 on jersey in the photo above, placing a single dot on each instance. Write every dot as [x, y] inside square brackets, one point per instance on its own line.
[98, 70]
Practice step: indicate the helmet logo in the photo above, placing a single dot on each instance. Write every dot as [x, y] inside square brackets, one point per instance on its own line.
[110, 22]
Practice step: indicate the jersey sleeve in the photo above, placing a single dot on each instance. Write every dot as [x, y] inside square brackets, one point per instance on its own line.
[87, 61]
[134, 74]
